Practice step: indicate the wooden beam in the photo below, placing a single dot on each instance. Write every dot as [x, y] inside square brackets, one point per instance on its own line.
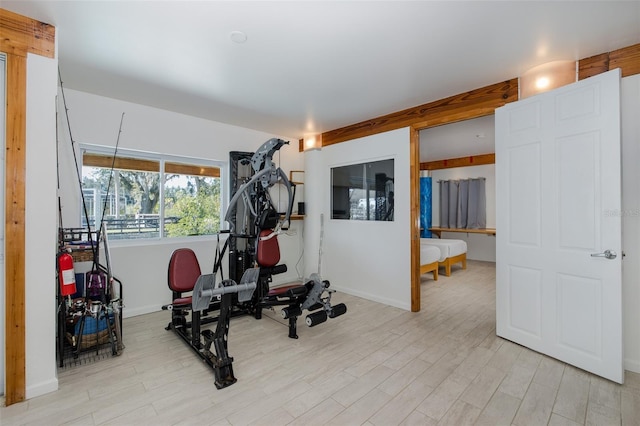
[466, 105]
[106, 161]
[414, 199]
[486, 231]
[627, 59]
[191, 170]
[20, 35]
[472, 160]
[593, 66]
[15, 175]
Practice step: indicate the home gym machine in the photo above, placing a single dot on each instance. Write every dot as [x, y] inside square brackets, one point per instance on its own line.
[254, 255]
[255, 225]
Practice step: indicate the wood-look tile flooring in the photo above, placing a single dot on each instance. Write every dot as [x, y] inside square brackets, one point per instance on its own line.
[376, 365]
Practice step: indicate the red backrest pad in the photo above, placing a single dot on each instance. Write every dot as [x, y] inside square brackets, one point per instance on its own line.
[268, 250]
[184, 270]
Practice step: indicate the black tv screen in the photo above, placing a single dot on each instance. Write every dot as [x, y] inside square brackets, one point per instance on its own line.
[363, 191]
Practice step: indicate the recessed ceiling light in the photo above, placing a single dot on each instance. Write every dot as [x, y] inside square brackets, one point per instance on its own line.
[238, 37]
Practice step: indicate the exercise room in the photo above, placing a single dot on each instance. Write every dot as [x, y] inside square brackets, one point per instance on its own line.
[217, 213]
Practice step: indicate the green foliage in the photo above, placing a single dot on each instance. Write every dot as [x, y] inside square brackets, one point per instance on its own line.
[191, 203]
[196, 207]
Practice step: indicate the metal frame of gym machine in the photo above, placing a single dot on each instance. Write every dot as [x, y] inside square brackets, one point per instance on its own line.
[251, 176]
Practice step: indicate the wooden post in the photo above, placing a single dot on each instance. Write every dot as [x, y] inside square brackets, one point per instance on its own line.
[19, 35]
[414, 197]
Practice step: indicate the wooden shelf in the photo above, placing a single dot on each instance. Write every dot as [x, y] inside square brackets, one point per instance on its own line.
[294, 217]
[485, 231]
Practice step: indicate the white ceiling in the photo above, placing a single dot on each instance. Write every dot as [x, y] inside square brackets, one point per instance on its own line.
[310, 66]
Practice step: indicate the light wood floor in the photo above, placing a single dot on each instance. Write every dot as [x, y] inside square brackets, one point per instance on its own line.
[376, 365]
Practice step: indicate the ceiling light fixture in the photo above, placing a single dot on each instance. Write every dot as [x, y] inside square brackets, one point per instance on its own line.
[312, 142]
[546, 77]
[542, 82]
[238, 37]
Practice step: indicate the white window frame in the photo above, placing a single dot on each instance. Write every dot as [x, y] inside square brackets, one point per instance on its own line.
[162, 159]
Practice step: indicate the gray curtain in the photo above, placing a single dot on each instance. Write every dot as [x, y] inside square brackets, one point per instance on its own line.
[463, 203]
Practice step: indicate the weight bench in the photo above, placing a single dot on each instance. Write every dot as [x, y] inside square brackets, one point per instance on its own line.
[267, 257]
[183, 272]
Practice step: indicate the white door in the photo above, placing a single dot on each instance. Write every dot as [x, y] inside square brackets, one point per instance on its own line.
[558, 212]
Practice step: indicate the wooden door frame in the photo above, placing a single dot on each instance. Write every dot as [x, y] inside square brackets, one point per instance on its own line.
[20, 36]
[415, 189]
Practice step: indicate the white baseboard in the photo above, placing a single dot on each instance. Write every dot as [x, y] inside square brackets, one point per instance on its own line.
[368, 296]
[128, 312]
[285, 278]
[42, 388]
[632, 365]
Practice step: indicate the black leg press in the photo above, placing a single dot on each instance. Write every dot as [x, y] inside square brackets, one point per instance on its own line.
[190, 332]
[220, 361]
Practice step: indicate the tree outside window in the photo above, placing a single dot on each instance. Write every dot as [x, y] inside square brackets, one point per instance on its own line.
[134, 207]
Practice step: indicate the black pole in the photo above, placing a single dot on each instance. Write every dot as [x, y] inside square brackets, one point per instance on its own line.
[94, 248]
[106, 198]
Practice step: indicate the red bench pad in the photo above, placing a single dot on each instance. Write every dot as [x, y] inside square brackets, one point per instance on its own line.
[279, 291]
[182, 301]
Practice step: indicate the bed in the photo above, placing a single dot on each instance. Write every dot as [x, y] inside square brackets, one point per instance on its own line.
[451, 252]
[429, 260]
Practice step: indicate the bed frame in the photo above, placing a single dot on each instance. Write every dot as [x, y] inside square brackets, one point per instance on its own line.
[431, 267]
[451, 261]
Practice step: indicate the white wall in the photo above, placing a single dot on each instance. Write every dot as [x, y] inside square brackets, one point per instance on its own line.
[41, 226]
[365, 258]
[479, 247]
[142, 266]
[631, 220]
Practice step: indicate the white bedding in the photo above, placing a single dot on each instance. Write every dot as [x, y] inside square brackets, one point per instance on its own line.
[429, 254]
[448, 247]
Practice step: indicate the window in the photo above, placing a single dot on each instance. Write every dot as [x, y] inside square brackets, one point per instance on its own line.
[191, 197]
[150, 196]
[363, 191]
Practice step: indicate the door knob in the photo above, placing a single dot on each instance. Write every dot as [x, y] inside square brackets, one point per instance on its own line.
[609, 254]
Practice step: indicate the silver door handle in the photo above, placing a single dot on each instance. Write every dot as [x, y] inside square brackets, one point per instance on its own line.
[609, 254]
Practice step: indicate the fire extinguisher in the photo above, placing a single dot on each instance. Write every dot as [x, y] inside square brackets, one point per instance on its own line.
[66, 274]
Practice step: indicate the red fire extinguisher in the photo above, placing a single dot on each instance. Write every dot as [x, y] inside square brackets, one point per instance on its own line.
[66, 274]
